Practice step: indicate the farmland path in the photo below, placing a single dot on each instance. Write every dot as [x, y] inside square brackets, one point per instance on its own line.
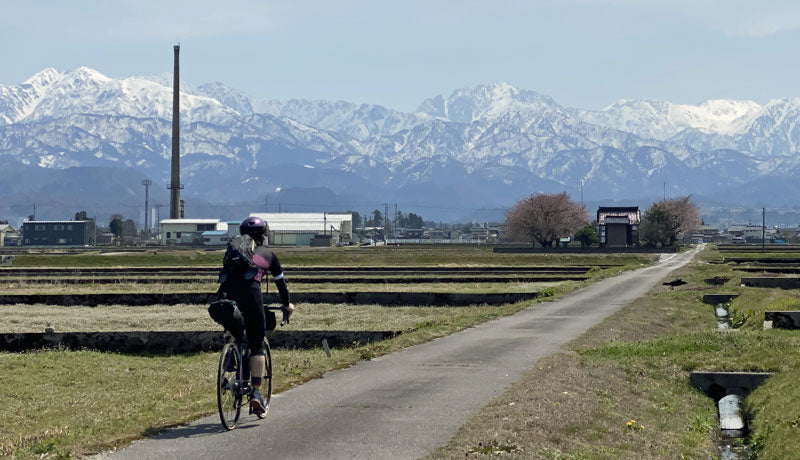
[405, 404]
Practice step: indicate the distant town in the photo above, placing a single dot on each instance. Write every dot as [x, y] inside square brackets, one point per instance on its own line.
[614, 226]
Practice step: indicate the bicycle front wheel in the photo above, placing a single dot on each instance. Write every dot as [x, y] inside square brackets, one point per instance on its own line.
[266, 379]
[229, 385]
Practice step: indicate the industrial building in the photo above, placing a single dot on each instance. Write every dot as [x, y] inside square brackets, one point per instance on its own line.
[58, 232]
[618, 226]
[188, 231]
[285, 229]
[309, 228]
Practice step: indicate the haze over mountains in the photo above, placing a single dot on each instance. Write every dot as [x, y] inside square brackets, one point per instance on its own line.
[481, 147]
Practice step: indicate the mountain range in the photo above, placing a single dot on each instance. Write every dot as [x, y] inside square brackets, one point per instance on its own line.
[80, 139]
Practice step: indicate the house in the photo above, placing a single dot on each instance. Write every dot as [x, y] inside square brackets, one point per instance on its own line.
[704, 234]
[9, 236]
[618, 226]
[788, 234]
[188, 231]
[58, 233]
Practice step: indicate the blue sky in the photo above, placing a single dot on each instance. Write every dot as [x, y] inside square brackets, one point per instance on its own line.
[583, 53]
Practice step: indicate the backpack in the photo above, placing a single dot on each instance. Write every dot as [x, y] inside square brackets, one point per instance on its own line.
[238, 259]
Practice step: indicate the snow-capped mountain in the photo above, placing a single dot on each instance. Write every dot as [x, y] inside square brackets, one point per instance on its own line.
[486, 101]
[663, 120]
[482, 146]
[54, 94]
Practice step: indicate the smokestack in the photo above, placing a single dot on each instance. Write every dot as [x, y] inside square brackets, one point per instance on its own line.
[175, 184]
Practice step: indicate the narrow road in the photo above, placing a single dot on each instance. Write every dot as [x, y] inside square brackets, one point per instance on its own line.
[405, 404]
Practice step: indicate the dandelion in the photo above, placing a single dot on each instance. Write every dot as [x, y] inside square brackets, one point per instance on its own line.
[633, 425]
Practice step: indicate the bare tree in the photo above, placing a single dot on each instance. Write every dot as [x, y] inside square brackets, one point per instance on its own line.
[545, 218]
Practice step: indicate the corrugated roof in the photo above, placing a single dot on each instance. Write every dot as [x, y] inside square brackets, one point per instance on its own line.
[55, 221]
[304, 221]
[189, 221]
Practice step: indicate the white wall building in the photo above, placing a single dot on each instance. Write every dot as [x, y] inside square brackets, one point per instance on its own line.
[188, 231]
[300, 228]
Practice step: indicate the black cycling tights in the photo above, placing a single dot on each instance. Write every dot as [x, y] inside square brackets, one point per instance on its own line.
[251, 302]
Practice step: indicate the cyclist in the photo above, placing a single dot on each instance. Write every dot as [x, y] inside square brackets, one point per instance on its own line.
[247, 294]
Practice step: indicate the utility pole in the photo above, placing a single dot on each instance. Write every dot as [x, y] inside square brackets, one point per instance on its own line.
[665, 190]
[147, 183]
[266, 202]
[158, 215]
[394, 225]
[385, 220]
[763, 228]
[581, 184]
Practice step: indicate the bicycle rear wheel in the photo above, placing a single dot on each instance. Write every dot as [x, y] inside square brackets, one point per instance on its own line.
[229, 385]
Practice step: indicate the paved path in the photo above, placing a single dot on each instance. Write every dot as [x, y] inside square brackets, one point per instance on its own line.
[405, 404]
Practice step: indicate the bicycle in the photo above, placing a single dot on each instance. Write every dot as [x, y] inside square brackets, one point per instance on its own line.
[233, 376]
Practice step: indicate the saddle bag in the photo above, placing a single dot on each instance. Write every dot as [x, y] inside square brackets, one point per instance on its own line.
[226, 313]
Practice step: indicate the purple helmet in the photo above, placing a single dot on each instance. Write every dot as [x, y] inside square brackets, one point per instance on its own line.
[256, 227]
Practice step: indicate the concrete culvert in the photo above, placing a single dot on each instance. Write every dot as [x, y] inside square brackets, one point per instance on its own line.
[729, 389]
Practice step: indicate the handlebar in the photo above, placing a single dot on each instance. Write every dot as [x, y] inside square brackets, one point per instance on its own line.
[285, 311]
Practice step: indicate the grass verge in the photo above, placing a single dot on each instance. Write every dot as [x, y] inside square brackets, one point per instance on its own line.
[622, 390]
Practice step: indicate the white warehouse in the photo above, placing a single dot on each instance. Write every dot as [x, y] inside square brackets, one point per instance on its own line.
[309, 228]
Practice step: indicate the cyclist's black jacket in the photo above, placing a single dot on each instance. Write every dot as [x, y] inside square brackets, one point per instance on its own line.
[247, 294]
[267, 261]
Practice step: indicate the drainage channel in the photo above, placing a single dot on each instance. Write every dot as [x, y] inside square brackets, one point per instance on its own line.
[729, 389]
[720, 303]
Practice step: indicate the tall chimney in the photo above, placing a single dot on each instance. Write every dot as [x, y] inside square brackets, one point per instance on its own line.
[175, 184]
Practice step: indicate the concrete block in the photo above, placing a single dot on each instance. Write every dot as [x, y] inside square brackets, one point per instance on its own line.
[714, 299]
[772, 282]
[782, 319]
[717, 280]
[720, 384]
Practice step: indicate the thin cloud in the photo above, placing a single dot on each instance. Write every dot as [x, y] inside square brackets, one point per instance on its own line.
[773, 24]
[732, 17]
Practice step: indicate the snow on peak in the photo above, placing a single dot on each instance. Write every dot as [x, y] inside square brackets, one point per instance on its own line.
[466, 105]
[54, 94]
[88, 73]
[44, 78]
[661, 120]
[723, 116]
